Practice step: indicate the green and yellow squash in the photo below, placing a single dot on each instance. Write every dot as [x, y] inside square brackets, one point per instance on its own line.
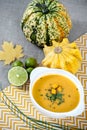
[44, 21]
[62, 55]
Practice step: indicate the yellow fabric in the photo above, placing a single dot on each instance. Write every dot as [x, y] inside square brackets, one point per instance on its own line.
[20, 97]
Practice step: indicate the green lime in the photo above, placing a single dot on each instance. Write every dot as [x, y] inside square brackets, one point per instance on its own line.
[29, 70]
[17, 63]
[17, 76]
[30, 62]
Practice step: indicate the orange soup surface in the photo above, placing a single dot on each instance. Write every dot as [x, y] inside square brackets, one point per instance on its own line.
[56, 93]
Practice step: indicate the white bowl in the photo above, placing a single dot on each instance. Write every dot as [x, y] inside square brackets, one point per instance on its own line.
[41, 71]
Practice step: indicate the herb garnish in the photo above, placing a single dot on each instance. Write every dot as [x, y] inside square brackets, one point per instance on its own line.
[55, 95]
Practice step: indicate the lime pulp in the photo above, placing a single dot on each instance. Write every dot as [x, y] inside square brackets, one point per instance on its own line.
[17, 76]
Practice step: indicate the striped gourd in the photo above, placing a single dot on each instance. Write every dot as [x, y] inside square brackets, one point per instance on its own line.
[44, 21]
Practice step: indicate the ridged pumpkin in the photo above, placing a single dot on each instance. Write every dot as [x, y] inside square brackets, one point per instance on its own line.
[62, 55]
[44, 21]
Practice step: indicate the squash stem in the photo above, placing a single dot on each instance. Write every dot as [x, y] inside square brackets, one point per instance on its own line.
[58, 50]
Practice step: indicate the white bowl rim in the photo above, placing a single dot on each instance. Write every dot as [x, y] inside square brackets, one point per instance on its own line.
[42, 71]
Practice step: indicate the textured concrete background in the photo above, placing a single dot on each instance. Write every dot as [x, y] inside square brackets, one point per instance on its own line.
[10, 16]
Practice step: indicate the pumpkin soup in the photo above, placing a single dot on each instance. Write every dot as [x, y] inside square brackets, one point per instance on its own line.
[56, 93]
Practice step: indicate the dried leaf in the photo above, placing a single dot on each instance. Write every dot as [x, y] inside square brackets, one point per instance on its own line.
[19, 53]
[10, 53]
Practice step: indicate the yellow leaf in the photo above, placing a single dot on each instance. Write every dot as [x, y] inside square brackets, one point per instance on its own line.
[18, 52]
[10, 53]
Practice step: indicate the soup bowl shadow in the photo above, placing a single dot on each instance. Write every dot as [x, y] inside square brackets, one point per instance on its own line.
[43, 71]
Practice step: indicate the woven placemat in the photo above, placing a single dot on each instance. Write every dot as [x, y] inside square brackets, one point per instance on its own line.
[18, 113]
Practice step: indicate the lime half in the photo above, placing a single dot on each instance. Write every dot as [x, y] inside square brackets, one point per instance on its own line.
[17, 76]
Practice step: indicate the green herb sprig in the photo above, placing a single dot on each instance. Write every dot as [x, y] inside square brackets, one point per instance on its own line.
[54, 97]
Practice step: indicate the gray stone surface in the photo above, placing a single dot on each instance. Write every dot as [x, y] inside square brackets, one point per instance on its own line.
[10, 16]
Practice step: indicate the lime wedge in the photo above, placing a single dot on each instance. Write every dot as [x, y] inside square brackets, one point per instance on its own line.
[17, 76]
